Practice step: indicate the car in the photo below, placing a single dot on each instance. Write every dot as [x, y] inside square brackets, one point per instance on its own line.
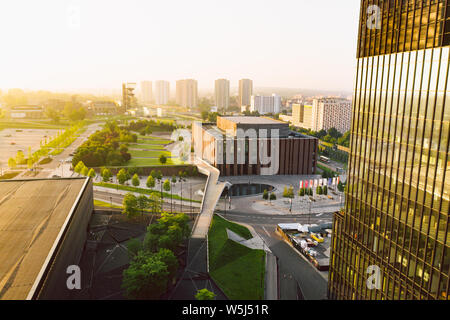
[316, 237]
[55, 176]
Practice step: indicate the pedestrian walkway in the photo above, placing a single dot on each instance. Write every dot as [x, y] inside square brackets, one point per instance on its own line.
[213, 191]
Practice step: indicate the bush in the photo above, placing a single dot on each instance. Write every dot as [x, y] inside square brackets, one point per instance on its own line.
[266, 195]
[204, 294]
[273, 196]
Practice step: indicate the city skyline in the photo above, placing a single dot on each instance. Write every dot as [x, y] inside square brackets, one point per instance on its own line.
[161, 44]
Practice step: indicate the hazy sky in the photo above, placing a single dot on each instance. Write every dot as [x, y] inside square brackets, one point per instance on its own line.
[62, 44]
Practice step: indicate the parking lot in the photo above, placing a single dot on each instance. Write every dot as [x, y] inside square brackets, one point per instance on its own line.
[13, 140]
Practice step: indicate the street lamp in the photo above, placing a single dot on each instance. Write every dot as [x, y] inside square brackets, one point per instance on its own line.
[309, 216]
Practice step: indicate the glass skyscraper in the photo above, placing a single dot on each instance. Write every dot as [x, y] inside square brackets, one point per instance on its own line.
[397, 198]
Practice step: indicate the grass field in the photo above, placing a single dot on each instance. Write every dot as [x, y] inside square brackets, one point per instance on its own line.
[154, 147]
[99, 203]
[10, 124]
[147, 146]
[166, 195]
[140, 162]
[149, 153]
[238, 270]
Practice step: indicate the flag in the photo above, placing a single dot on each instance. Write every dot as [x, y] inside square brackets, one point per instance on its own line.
[301, 184]
[334, 181]
[316, 182]
[330, 181]
[337, 180]
[306, 183]
[311, 183]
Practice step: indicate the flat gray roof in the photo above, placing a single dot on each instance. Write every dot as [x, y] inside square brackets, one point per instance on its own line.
[32, 213]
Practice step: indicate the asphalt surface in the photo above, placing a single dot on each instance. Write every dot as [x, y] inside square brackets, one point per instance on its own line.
[312, 284]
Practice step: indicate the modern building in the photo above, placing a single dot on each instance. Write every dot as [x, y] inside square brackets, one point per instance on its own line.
[254, 146]
[332, 113]
[222, 94]
[146, 91]
[162, 92]
[323, 114]
[266, 104]
[187, 93]
[392, 239]
[43, 230]
[245, 92]
[303, 116]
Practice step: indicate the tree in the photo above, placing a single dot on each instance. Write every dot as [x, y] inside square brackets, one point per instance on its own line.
[106, 174]
[85, 171]
[169, 259]
[80, 165]
[134, 246]
[151, 182]
[325, 190]
[146, 278]
[91, 173]
[135, 180]
[155, 203]
[122, 176]
[130, 205]
[340, 187]
[301, 192]
[53, 114]
[204, 294]
[166, 185]
[266, 195]
[20, 157]
[273, 196]
[319, 190]
[163, 159]
[12, 163]
[142, 203]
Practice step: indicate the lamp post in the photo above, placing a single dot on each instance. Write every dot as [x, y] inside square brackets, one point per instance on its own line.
[309, 216]
[290, 207]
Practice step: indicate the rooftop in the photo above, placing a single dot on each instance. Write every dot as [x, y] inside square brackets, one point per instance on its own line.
[32, 214]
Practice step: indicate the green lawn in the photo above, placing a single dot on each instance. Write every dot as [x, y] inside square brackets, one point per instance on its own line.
[238, 270]
[152, 141]
[142, 191]
[148, 154]
[146, 146]
[137, 162]
[99, 203]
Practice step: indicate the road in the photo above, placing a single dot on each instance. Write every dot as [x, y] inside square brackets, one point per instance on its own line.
[292, 266]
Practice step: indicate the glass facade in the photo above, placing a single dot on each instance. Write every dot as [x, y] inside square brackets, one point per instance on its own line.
[397, 206]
